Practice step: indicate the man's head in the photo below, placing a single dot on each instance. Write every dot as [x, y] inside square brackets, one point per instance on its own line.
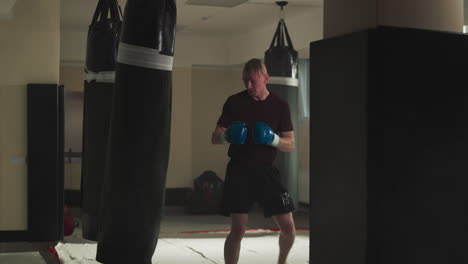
[255, 77]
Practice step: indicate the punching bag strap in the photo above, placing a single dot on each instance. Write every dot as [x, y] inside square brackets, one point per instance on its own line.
[105, 7]
[290, 45]
[104, 11]
[275, 36]
[97, 12]
[120, 12]
[280, 33]
[114, 10]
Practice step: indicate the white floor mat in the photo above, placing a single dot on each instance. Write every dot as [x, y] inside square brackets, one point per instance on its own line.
[21, 257]
[257, 247]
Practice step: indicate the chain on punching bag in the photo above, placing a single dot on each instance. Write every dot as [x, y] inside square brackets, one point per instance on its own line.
[281, 63]
[138, 146]
[101, 51]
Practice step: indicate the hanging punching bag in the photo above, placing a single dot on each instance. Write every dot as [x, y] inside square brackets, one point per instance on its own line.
[101, 53]
[138, 146]
[281, 64]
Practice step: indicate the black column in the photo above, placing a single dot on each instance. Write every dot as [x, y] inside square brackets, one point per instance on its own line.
[45, 161]
[389, 135]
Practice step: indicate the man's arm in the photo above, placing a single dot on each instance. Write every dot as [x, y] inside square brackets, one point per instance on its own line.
[286, 142]
[218, 135]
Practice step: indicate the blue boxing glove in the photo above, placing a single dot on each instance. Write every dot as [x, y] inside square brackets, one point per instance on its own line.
[236, 133]
[263, 134]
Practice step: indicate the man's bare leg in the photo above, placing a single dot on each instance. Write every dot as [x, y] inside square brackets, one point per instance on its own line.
[233, 241]
[287, 235]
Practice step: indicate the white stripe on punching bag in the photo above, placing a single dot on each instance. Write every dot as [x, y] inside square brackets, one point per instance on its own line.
[283, 81]
[101, 77]
[143, 57]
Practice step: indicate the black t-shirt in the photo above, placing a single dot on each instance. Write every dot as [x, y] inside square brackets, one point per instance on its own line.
[242, 107]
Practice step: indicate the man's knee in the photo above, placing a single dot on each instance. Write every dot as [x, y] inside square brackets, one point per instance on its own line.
[238, 226]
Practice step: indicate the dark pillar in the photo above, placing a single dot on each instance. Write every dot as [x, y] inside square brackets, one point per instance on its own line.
[45, 162]
[389, 133]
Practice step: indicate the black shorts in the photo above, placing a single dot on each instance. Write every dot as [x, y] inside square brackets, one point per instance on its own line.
[246, 184]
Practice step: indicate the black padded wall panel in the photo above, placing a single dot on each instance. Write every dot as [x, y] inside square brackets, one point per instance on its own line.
[389, 135]
[338, 126]
[45, 161]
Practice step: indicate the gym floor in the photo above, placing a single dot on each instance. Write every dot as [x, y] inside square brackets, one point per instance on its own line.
[183, 239]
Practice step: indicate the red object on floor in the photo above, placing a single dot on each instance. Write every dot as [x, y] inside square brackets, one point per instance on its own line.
[67, 221]
[54, 253]
[67, 225]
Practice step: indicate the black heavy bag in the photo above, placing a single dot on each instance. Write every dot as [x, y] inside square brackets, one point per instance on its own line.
[281, 60]
[101, 53]
[138, 146]
[281, 63]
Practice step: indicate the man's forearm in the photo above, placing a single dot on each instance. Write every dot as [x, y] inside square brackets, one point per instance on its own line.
[286, 144]
[218, 136]
[216, 139]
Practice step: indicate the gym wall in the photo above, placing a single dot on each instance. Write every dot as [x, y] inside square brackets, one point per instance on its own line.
[210, 88]
[30, 47]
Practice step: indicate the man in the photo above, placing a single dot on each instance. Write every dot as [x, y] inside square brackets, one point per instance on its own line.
[256, 123]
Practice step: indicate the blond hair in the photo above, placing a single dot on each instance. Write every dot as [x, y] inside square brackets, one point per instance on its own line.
[253, 66]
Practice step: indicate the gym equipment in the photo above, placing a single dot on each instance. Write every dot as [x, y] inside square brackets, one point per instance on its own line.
[281, 63]
[101, 53]
[236, 133]
[207, 194]
[138, 148]
[263, 134]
